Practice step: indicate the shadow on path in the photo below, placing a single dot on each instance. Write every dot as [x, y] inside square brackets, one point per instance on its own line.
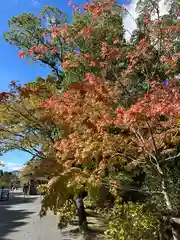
[96, 227]
[12, 215]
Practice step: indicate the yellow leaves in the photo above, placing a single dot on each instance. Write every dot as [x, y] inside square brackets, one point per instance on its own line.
[4, 113]
[3, 108]
[178, 119]
[67, 183]
[53, 181]
[42, 188]
[27, 172]
[91, 149]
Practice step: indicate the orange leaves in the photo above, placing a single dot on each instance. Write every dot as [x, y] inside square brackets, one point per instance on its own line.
[87, 108]
[98, 8]
[40, 49]
[85, 112]
[173, 28]
[90, 78]
[78, 101]
[108, 52]
[68, 64]
[86, 32]
[116, 41]
[59, 31]
[90, 60]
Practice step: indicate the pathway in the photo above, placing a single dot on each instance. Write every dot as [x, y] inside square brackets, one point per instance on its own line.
[19, 220]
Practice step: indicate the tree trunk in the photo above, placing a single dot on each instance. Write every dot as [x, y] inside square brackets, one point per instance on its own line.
[161, 232]
[163, 183]
[169, 207]
[81, 212]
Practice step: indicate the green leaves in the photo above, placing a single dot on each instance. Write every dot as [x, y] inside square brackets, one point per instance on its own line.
[27, 30]
[131, 222]
[145, 86]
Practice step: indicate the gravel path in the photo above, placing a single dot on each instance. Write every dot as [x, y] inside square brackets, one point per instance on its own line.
[19, 220]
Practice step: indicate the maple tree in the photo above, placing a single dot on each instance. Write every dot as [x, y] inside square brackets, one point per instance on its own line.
[94, 150]
[154, 125]
[97, 36]
[88, 107]
[116, 111]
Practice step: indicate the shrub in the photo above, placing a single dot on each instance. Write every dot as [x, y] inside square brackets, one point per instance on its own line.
[131, 221]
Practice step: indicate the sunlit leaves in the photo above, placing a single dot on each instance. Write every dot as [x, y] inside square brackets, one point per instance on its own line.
[23, 124]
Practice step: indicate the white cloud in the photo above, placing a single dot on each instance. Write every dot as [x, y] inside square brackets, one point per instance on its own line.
[10, 166]
[129, 22]
[1, 163]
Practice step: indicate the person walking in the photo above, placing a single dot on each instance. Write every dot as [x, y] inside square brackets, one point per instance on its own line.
[2, 189]
[25, 189]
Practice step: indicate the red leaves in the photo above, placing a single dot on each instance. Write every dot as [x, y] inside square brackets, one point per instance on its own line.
[87, 107]
[40, 49]
[143, 42]
[100, 7]
[146, 19]
[162, 100]
[21, 54]
[86, 6]
[74, 103]
[91, 78]
[119, 110]
[96, 10]
[66, 94]
[169, 72]
[108, 52]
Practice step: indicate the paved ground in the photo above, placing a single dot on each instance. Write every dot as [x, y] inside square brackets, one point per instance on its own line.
[19, 220]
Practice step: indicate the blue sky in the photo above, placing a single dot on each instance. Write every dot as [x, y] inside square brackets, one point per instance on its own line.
[14, 68]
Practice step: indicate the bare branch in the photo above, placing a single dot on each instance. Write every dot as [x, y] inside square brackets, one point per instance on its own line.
[173, 157]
